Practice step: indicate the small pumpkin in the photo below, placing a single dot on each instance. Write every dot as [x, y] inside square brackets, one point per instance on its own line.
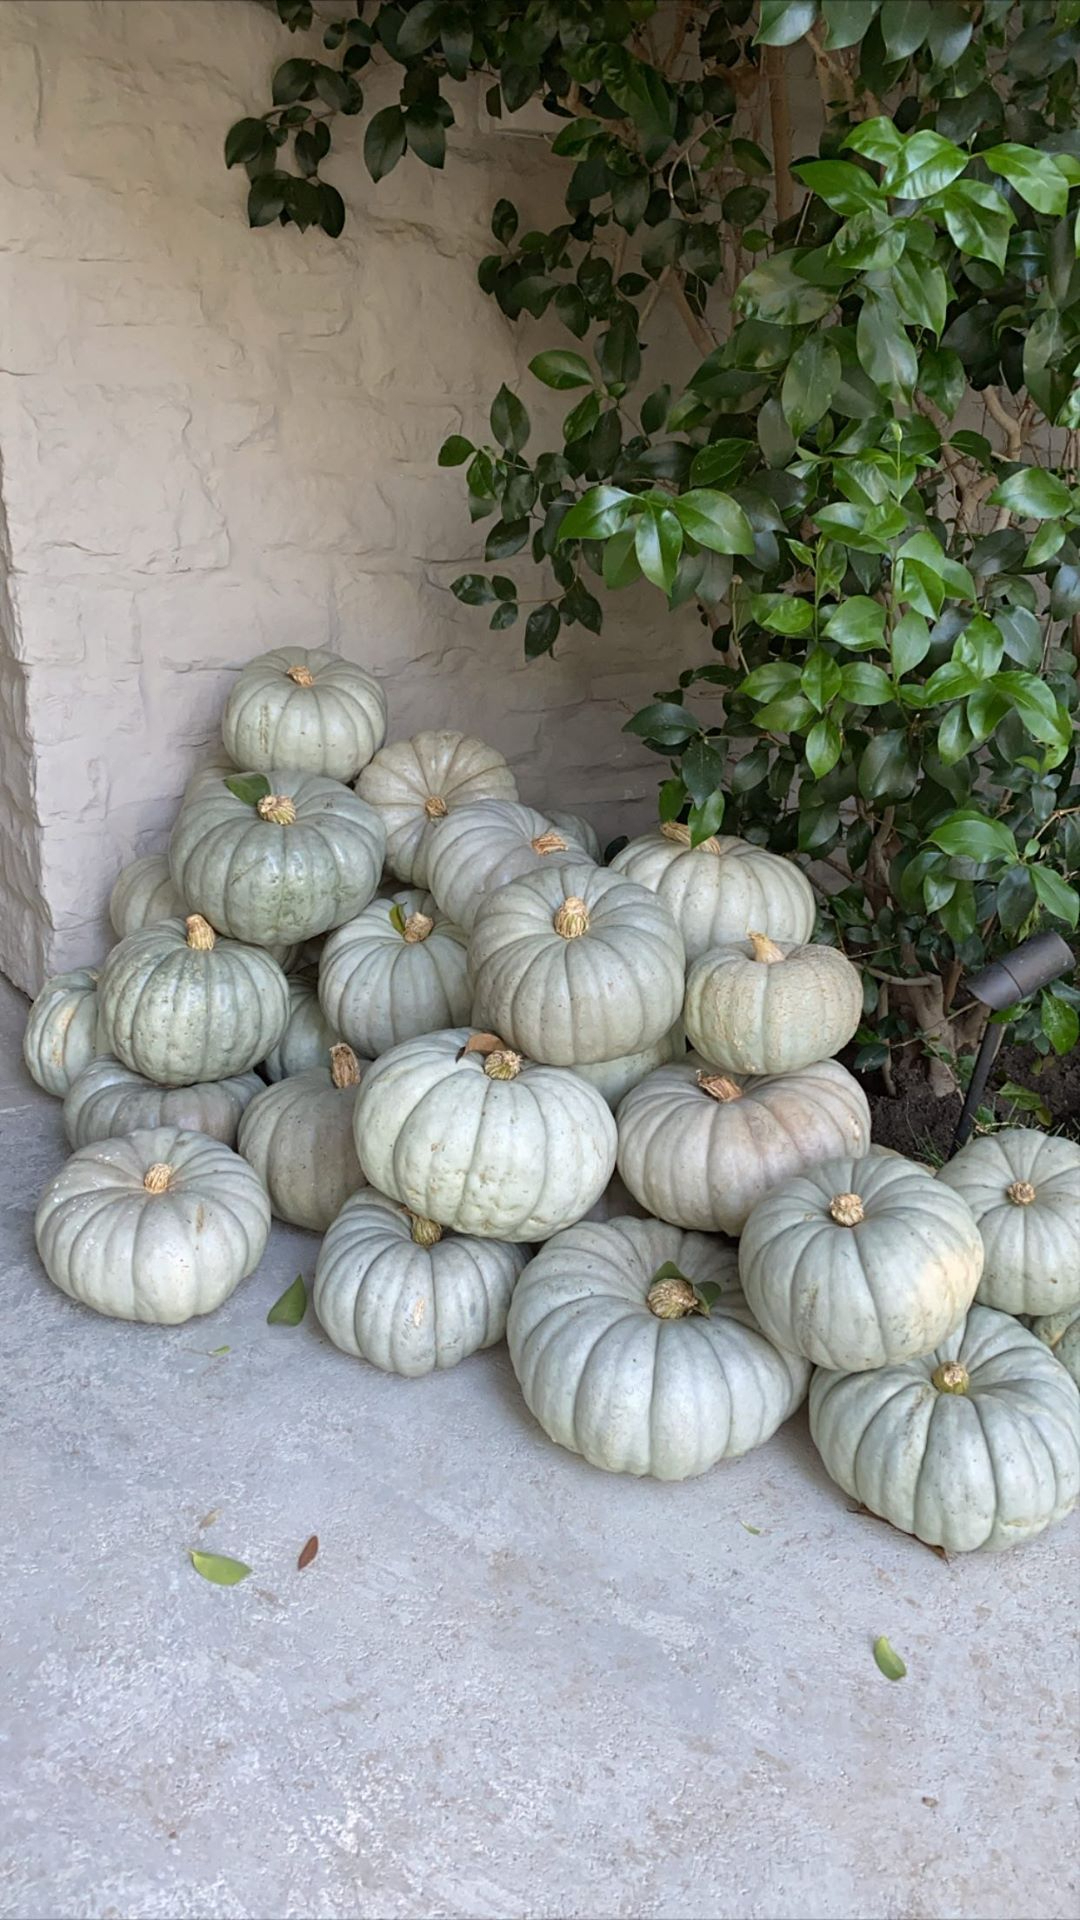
[298, 1137]
[307, 708]
[700, 1148]
[1024, 1189]
[462, 1130]
[634, 1347]
[614, 1078]
[159, 1226]
[308, 1036]
[398, 970]
[401, 1292]
[63, 1032]
[271, 858]
[860, 1263]
[144, 893]
[180, 1006]
[721, 889]
[108, 1100]
[1061, 1333]
[414, 783]
[575, 827]
[975, 1445]
[479, 848]
[761, 1007]
[574, 964]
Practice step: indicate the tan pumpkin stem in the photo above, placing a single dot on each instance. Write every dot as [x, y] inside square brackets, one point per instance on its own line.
[303, 676]
[1021, 1193]
[678, 831]
[503, 1064]
[847, 1209]
[671, 1299]
[435, 807]
[344, 1066]
[425, 1232]
[277, 807]
[572, 919]
[550, 843]
[200, 934]
[156, 1178]
[765, 950]
[951, 1377]
[416, 928]
[719, 1087]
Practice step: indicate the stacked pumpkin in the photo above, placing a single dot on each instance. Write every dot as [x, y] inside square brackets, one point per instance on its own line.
[433, 1024]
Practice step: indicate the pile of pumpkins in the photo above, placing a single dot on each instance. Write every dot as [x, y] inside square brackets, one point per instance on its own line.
[424, 1020]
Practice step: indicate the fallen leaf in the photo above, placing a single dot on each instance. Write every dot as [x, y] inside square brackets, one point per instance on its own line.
[888, 1660]
[928, 1800]
[248, 787]
[292, 1306]
[218, 1568]
[308, 1552]
[397, 918]
[481, 1043]
[209, 1518]
[867, 1513]
[749, 1528]
[214, 1351]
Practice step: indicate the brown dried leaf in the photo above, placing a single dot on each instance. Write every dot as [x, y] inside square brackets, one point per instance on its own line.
[484, 1043]
[308, 1552]
[867, 1513]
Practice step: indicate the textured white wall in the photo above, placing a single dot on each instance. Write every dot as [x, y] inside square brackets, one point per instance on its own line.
[216, 441]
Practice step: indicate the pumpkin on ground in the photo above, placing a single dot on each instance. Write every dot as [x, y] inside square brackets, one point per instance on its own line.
[761, 1007]
[700, 1148]
[574, 964]
[308, 1036]
[307, 708]
[614, 1078]
[577, 828]
[179, 1005]
[860, 1263]
[401, 1292]
[63, 1031]
[160, 1226]
[1024, 1189]
[398, 970]
[479, 848]
[412, 784]
[296, 855]
[298, 1137]
[108, 1100]
[144, 893]
[1061, 1333]
[635, 1348]
[974, 1445]
[462, 1130]
[721, 889]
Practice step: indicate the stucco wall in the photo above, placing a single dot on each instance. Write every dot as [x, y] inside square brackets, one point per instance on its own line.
[215, 441]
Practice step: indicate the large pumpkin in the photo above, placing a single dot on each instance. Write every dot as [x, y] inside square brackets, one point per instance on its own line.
[618, 1361]
[398, 970]
[298, 1137]
[108, 1100]
[722, 889]
[974, 1445]
[280, 864]
[765, 1008]
[577, 828]
[308, 1036]
[614, 1078]
[63, 1032]
[307, 708]
[401, 1292]
[179, 1005]
[574, 964]
[144, 893]
[1024, 1189]
[1061, 1333]
[414, 783]
[858, 1263]
[700, 1148]
[477, 849]
[159, 1226]
[483, 1141]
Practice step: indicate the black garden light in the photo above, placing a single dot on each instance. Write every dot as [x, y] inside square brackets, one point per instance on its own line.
[1004, 983]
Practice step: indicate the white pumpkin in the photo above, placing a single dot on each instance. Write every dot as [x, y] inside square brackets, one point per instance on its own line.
[307, 708]
[615, 1203]
[108, 1100]
[144, 893]
[574, 964]
[618, 1361]
[160, 1226]
[976, 1445]
[308, 1036]
[298, 1136]
[721, 889]
[396, 971]
[1024, 1189]
[764, 1008]
[399, 1291]
[1061, 1333]
[482, 1141]
[178, 1005]
[414, 783]
[577, 828]
[477, 849]
[700, 1149]
[63, 1033]
[614, 1078]
[859, 1263]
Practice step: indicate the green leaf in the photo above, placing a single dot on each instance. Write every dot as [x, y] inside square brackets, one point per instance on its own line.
[455, 451]
[953, 681]
[980, 647]
[1049, 540]
[601, 512]
[218, 1568]
[705, 820]
[1060, 1022]
[978, 220]
[846, 21]
[922, 293]
[783, 22]
[1032, 492]
[924, 165]
[976, 837]
[811, 380]
[665, 722]
[620, 563]
[745, 1523]
[419, 29]
[506, 537]
[714, 520]
[720, 461]
[541, 630]
[248, 787]
[289, 1310]
[842, 185]
[509, 420]
[1034, 175]
[561, 369]
[575, 136]
[581, 419]
[618, 354]
[883, 346]
[504, 616]
[473, 589]
[888, 1660]
[1056, 895]
[823, 746]
[782, 612]
[942, 379]
[865, 685]
[244, 141]
[886, 770]
[266, 198]
[876, 139]
[788, 713]
[658, 540]
[857, 623]
[504, 221]
[396, 917]
[910, 642]
[820, 678]
[775, 293]
[770, 679]
[384, 141]
[292, 81]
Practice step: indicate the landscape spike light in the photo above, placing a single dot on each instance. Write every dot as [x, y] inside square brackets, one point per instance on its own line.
[1004, 983]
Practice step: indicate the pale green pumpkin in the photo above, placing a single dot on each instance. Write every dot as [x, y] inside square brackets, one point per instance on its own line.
[722, 889]
[614, 1078]
[298, 1136]
[63, 1033]
[479, 848]
[180, 1006]
[413, 784]
[143, 894]
[308, 1037]
[1061, 1333]
[760, 1007]
[576, 827]
[307, 708]
[398, 970]
[1023, 1187]
[108, 1100]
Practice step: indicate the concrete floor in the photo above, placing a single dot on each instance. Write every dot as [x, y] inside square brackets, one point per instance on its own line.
[509, 1685]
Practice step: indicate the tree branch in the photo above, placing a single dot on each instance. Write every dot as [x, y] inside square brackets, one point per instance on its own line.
[780, 122]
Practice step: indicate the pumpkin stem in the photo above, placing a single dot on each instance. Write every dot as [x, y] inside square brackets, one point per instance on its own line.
[678, 831]
[551, 842]
[435, 807]
[425, 1232]
[303, 676]
[1021, 1193]
[671, 1299]
[200, 934]
[277, 807]
[503, 1064]
[572, 919]
[344, 1066]
[951, 1377]
[719, 1087]
[416, 928]
[847, 1209]
[765, 950]
[156, 1178]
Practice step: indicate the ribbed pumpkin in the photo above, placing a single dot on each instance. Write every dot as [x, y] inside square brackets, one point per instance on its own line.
[308, 1036]
[307, 708]
[860, 1263]
[160, 1226]
[575, 827]
[414, 783]
[700, 1148]
[766, 1008]
[144, 893]
[614, 1078]
[179, 1005]
[721, 889]
[63, 1032]
[108, 1101]
[574, 964]
[619, 1360]
[1024, 1189]
[976, 1445]
[405, 1294]
[281, 864]
[477, 849]
[396, 971]
[298, 1136]
[1061, 1333]
[462, 1130]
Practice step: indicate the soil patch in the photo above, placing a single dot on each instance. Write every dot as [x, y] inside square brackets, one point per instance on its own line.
[916, 1122]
